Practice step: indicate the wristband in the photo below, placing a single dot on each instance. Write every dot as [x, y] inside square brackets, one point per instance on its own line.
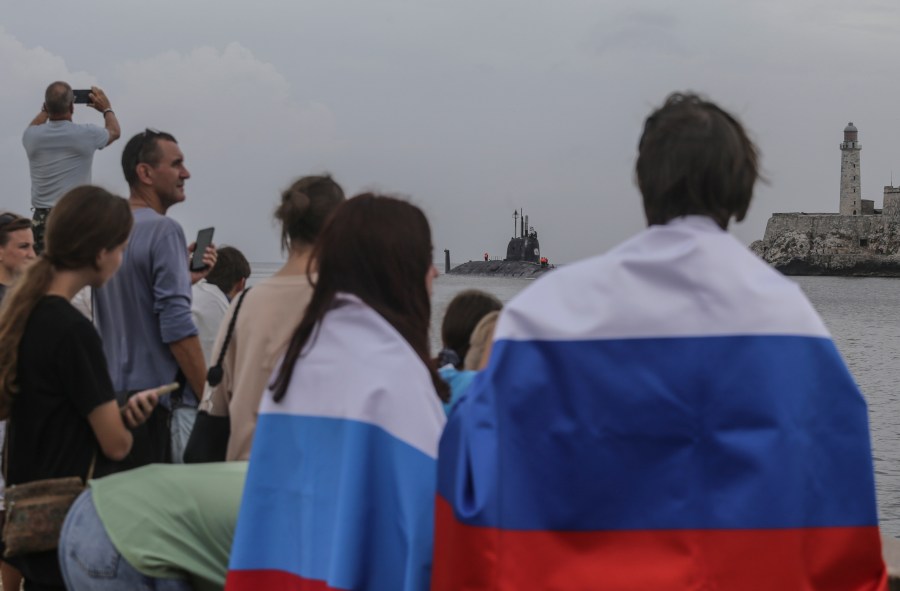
[105, 111]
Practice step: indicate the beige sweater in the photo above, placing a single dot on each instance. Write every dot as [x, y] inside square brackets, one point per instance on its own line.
[267, 319]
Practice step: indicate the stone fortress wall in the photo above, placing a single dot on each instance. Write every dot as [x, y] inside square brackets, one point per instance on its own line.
[860, 240]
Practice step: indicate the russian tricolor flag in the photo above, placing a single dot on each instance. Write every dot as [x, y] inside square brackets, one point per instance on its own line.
[340, 488]
[670, 415]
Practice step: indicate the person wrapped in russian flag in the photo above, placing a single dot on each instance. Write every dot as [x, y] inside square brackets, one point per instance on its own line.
[672, 414]
[340, 488]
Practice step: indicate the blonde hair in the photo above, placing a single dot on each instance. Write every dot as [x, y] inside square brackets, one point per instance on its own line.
[481, 339]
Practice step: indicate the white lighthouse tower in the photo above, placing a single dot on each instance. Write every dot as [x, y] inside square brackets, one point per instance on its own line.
[851, 198]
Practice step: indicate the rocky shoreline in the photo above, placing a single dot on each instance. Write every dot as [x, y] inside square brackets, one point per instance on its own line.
[798, 254]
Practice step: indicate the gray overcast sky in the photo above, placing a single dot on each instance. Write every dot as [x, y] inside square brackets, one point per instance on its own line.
[471, 108]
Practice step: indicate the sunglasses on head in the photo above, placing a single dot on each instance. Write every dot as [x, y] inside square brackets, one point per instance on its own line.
[146, 137]
[7, 218]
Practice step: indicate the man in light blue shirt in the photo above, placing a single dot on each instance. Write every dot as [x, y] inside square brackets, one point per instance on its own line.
[61, 152]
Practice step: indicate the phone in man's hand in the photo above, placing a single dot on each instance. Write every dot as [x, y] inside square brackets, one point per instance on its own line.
[82, 96]
[204, 239]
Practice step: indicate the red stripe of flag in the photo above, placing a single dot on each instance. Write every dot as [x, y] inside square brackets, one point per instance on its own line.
[257, 580]
[820, 559]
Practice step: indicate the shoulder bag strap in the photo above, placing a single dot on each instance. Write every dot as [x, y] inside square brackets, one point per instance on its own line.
[216, 373]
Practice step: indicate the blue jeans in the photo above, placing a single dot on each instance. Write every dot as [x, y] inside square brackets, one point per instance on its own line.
[89, 561]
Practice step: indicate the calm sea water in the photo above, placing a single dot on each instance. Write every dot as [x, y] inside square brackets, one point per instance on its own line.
[862, 315]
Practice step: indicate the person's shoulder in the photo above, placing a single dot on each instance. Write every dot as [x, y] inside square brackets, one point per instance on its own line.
[205, 287]
[677, 279]
[59, 305]
[170, 225]
[206, 292]
[286, 285]
[84, 127]
[272, 293]
[147, 215]
[97, 135]
[34, 133]
[562, 282]
[731, 257]
[366, 335]
[773, 291]
[389, 386]
[198, 293]
[457, 379]
[148, 220]
[65, 318]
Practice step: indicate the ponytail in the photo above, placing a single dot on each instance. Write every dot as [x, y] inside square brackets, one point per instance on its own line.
[14, 314]
[84, 222]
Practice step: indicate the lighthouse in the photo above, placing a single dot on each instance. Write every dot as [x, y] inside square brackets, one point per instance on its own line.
[851, 197]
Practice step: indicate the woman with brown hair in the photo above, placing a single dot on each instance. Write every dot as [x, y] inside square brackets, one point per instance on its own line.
[340, 488]
[16, 248]
[16, 253]
[268, 313]
[55, 390]
[464, 313]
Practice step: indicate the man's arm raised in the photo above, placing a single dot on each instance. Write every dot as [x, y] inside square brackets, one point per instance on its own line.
[100, 102]
[41, 117]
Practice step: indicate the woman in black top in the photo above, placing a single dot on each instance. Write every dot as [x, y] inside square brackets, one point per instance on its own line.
[55, 388]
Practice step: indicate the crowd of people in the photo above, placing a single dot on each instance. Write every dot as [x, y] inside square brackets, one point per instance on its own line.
[671, 414]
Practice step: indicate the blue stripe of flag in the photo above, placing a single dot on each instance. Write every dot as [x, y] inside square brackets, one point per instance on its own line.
[336, 500]
[661, 433]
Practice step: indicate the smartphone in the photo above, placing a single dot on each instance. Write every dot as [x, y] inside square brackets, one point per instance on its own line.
[81, 96]
[204, 239]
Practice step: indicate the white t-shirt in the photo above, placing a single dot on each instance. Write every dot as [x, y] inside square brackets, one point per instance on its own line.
[208, 308]
[60, 154]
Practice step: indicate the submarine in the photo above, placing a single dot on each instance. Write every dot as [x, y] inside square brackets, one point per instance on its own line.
[523, 255]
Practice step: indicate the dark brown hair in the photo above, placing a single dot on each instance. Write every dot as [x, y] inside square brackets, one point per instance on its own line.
[231, 266]
[463, 313]
[305, 206]
[11, 222]
[377, 248]
[695, 159]
[86, 221]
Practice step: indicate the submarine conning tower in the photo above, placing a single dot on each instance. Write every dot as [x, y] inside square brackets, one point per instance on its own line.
[524, 245]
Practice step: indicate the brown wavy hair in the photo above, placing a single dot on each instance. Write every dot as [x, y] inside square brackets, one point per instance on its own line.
[379, 249]
[86, 221]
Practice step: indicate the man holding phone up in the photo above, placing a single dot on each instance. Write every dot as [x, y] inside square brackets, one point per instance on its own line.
[144, 312]
[61, 152]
